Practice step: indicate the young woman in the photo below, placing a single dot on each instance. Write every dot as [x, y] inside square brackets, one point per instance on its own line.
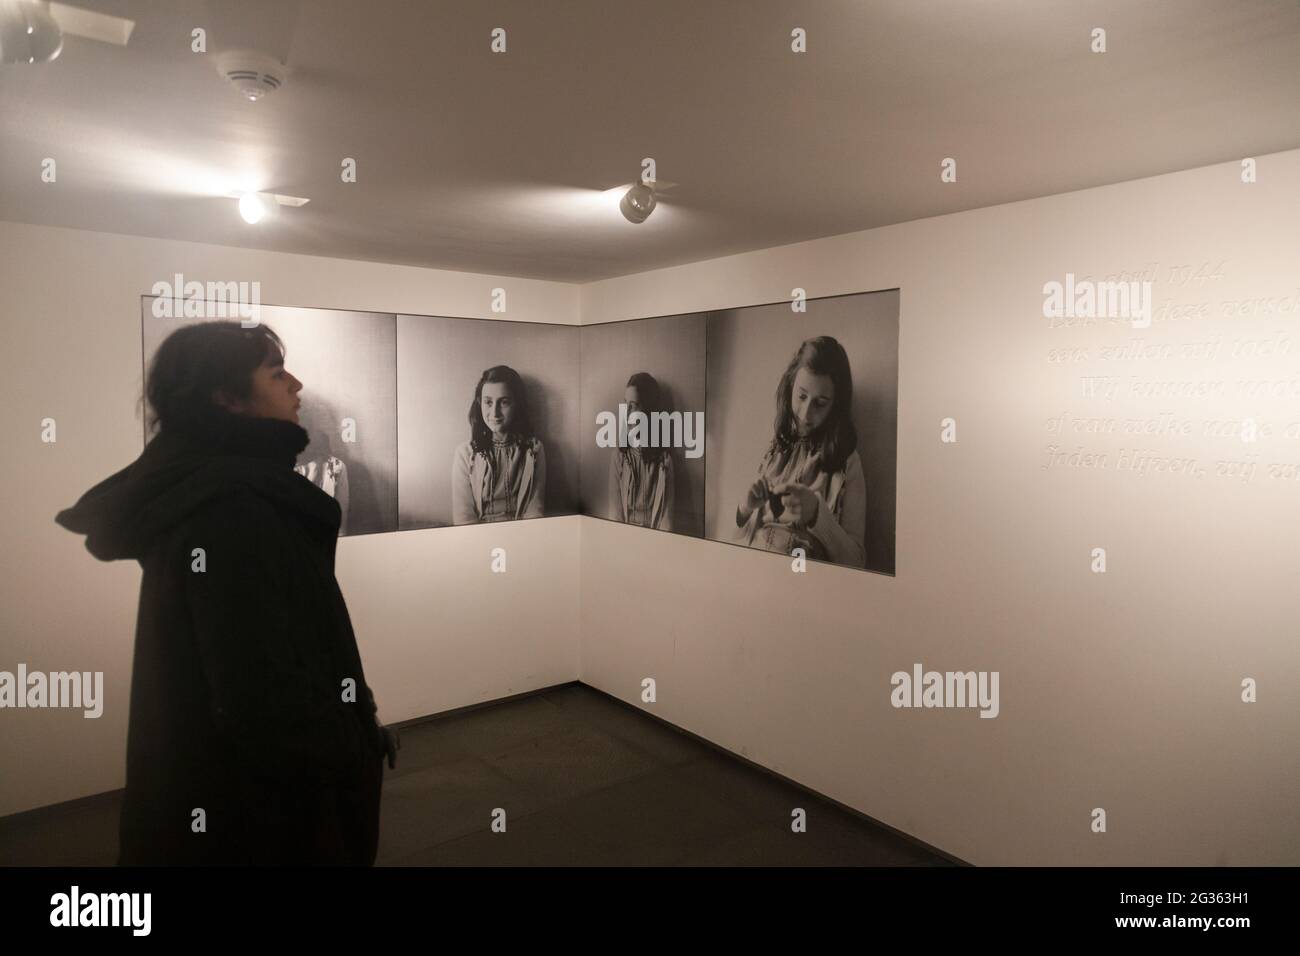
[641, 479]
[500, 473]
[810, 492]
[252, 736]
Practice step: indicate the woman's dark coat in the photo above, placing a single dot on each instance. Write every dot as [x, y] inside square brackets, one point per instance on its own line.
[239, 702]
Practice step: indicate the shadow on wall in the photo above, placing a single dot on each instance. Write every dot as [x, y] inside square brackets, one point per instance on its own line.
[560, 493]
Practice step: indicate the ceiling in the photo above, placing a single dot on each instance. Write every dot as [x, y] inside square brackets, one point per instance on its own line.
[496, 163]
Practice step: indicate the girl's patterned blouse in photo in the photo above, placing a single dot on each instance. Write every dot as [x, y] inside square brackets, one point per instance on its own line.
[641, 491]
[506, 483]
[838, 531]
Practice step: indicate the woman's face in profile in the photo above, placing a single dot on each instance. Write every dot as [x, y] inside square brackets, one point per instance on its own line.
[811, 397]
[497, 407]
[274, 393]
[632, 399]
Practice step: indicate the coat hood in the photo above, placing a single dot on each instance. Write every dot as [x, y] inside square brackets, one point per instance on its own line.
[184, 468]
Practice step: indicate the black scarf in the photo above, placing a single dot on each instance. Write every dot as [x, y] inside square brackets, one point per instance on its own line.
[220, 432]
[189, 463]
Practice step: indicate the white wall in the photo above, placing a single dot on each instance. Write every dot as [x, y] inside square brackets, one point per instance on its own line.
[1118, 690]
[72, 351]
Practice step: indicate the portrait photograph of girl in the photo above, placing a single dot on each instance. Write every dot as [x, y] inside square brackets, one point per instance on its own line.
[499, 474]
[810, 492]
[652, 365]
[641, 478]
[487, 416]
[818, 478]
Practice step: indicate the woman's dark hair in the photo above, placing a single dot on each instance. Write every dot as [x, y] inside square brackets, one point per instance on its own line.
[836, 435]
[650, 399]
[197, 360]
[521, 425]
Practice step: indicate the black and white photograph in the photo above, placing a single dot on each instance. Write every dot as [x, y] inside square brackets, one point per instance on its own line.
[654, 366]
[802, 428]
[692, 436]
[488, 420]
[346, 364]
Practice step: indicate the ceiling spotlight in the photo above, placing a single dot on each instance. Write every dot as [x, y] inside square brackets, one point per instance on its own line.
[638, 203]
[255, 207]
[28, 33]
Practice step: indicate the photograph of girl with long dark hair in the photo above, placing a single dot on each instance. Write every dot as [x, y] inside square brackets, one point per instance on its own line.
[641, 478]
[243, 639]
[810, 492]
[500, 473]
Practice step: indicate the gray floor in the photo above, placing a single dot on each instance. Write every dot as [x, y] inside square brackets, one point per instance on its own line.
[583, 780]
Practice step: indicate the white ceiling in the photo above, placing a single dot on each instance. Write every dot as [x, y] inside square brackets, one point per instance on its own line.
[492, 163]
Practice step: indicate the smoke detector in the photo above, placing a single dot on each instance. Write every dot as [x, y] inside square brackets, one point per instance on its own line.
[254, 74]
